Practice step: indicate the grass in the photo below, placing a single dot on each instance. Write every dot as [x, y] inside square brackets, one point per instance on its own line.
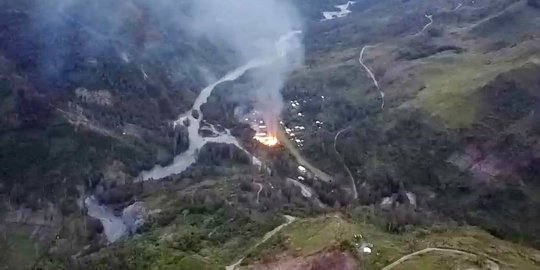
[450, 86]
[195, 262]
[309, 236]
[311, 239]
[20, 249]
[449, 92]
[511, 26]
[482, 243]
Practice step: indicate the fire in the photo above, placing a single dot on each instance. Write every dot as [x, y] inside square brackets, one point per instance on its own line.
[266, 139]
[263, 132]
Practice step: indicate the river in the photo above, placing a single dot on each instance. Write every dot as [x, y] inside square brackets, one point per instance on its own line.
[116, 227]
[343, 11]
[196, 140]
[194, 117]
[113, 226]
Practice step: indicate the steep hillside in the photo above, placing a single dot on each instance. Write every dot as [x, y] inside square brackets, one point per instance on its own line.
[458, 126]
[409, 137]
[78, 95]
[336, 242]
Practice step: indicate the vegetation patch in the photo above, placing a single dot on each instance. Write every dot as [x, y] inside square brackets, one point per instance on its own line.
[19, 250]
[310, 236]
[450, 88]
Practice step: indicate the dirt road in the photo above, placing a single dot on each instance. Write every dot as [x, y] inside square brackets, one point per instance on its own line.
[282, 137]
[492, 265]
[351, 177]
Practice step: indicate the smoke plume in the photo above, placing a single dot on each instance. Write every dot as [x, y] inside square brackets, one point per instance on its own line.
[265, 30]
[237, 31]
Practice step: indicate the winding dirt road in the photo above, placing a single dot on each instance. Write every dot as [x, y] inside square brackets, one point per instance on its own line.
[430, 18]
[370, 73]
[259, 192]
[351, 177]
[368, 70]
[491, 264]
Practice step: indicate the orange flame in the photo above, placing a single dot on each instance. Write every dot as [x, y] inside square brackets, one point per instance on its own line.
[266, 139]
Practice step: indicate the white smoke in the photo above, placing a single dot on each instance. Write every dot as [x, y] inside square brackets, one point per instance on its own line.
[263, 29]
[245, 30]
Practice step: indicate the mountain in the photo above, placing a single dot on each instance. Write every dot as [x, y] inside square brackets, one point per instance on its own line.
[408, 136]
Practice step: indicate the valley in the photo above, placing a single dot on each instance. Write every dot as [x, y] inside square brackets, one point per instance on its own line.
[383, 135]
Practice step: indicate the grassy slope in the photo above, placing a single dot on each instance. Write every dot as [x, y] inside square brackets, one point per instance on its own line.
[446, 95]
[453, 88]
[309, 236]
[20, 250]
[450, 87]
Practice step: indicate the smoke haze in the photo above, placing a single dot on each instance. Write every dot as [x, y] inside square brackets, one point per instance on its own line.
[264, 29]
[237, 30]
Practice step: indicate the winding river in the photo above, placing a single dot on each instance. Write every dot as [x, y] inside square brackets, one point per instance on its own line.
[343, 11]
[194, 117]
[116, 227]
